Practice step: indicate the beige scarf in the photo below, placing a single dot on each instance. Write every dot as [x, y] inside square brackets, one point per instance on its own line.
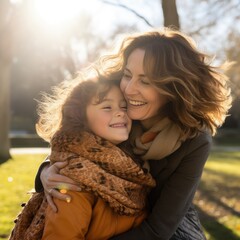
[161, 139]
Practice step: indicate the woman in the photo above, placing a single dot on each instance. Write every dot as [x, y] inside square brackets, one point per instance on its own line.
[178, 100]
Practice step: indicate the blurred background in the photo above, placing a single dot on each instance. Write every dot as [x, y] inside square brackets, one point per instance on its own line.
[43, 42]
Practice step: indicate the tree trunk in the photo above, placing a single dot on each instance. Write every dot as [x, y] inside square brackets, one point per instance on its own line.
[170, 14]
[4, 111]
[5, 68]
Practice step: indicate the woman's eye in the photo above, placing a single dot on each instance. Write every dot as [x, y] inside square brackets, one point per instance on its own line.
[127, 76]
[144, 81]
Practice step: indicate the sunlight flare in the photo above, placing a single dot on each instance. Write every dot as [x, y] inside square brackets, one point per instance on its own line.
[64, 191]
[10, 179]
[57, 12]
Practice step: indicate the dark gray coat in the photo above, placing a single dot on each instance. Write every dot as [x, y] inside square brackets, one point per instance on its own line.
[177, 177]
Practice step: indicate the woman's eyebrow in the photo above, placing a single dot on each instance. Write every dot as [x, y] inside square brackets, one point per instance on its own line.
[140, 75]
[126, 69]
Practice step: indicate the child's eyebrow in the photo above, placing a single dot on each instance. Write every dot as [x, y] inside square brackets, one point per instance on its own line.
[107, 100]
[111, 100]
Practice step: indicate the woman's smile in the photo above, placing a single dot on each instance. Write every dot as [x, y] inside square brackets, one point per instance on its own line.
[136, 102]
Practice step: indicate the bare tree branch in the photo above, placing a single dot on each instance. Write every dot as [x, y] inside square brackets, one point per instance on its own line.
[216, 9]
[130, 10]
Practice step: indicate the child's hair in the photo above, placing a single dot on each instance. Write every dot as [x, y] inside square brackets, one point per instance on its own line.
[65, 108]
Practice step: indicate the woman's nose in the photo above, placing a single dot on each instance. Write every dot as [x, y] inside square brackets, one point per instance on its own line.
[131, 87]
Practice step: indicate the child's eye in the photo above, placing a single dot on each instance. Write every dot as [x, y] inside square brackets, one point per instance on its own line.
[107, 108]
[124, 108]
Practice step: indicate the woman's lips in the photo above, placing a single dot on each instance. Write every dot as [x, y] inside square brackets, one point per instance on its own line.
[136, 103]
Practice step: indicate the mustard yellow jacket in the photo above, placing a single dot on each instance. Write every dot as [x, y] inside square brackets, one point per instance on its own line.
[86, 217]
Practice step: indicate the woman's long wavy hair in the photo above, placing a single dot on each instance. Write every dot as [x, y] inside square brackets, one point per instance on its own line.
[198, 92]
[65, 108]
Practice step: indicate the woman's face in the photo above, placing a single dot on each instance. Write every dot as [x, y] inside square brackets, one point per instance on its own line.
[143, 99]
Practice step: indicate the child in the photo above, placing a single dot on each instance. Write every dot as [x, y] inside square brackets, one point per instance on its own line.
[84, 123]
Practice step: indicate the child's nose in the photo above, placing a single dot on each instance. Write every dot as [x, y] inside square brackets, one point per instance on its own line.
[120, 113]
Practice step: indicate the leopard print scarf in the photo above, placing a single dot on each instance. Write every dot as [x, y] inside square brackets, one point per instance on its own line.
[97, 166]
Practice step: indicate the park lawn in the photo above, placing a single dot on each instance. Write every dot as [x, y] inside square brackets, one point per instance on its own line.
[217, 200]
[218, 196]
[17, 178]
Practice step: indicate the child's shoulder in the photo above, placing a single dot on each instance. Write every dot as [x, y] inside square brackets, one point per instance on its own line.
[66, 137]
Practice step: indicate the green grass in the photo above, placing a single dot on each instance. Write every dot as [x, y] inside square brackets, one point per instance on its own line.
[17, 178]
[218, 197]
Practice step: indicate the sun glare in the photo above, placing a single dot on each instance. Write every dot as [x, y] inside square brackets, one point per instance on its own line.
[57, 12]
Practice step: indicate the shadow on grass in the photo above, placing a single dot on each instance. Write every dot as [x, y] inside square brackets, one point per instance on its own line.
[222, 155]
[4, 236]
[226, 181]
[221, 188]
[216, 230]
[218, 196]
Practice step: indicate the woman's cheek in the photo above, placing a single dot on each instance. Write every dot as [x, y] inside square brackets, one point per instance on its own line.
[123, 85]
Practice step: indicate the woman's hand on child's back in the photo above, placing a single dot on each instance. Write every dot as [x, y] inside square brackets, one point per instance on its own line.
[56, 185]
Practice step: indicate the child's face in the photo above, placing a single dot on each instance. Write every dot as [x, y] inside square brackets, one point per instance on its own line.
[109, 118]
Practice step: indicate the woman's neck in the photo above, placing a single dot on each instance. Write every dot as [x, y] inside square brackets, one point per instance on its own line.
[148, 123]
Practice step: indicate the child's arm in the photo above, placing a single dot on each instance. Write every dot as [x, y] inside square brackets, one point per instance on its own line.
[72, 219]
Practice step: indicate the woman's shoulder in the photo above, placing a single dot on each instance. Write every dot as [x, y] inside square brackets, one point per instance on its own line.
[203, 140]
[203, 137]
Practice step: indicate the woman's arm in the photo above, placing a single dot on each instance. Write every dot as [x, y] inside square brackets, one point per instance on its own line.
[38, 183]
[50, 181]
[176, 194]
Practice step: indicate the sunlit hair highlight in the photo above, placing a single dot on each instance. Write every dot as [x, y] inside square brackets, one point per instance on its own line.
[198, 92]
